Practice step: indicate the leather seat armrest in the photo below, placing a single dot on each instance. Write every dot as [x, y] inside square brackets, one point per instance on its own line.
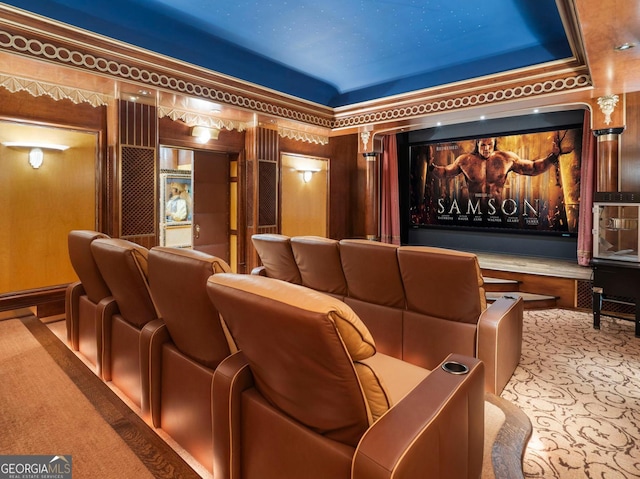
[437, 430]
[72, 304]
[153, 335]
[499, 340]
[105, 311]
[231, 378]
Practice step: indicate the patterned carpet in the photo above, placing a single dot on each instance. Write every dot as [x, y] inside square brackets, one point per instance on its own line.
[581, 389]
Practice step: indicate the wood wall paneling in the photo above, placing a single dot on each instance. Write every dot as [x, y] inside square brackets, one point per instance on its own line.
[346, 212]
[42, 205]
[304, 206]
[138, 124]
[630, 146]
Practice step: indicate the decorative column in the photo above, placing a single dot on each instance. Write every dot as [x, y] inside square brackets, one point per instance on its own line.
[371, 186]
[608, 147]
[607, 165]
[372, 197]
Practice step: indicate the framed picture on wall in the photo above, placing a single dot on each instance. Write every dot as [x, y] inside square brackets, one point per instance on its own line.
[176, 198]
[175, 210]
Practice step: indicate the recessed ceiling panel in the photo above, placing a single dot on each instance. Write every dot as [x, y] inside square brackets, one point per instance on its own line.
[333, 52]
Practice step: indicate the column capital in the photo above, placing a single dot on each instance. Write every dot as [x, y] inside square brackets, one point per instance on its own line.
[608, 131]
[369, 142]
[608, 112]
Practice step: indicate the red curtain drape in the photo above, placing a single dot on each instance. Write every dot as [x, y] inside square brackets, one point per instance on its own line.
[587, 187]
[390, 208]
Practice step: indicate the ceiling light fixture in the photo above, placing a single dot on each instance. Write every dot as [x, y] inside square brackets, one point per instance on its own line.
[624, 46]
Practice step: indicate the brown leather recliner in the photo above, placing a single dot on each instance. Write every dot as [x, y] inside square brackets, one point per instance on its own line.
[82, 297]
[318, 261]
[276, 256]
[447, 310]
[123, 265]
[376, 292]
[185, 347]
[308, 396]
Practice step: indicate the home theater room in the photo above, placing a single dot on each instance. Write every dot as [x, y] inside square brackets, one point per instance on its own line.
[357, 239]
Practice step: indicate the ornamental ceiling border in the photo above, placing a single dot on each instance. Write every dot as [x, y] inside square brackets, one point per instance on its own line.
[417, 109]
[58, 92]
[133, 65]
[53, 52]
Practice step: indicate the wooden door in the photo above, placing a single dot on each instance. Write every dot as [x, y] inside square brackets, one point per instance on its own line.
[211, 203]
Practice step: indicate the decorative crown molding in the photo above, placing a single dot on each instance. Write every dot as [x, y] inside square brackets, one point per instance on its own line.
[42, 40]
[303, 136]
[195, 119]
[417, 109]
[169, 80]
[57, 92]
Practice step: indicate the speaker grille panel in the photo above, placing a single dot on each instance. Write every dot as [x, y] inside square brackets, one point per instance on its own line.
[249, 194]
[610, 304]
[268, 193]
[138, 191]
[584, 294]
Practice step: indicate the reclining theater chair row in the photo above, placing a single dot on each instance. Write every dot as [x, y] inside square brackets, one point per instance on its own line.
[158, 341]
[259, 378]
[420, 303]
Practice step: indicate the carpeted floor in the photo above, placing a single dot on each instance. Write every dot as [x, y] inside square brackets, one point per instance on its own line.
[581, 389]
[53, 405]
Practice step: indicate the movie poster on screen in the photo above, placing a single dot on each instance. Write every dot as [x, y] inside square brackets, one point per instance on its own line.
[527, 182]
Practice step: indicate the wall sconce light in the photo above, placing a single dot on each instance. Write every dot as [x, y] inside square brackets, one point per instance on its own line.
[308, 173]
[204, 134]
[36, 155]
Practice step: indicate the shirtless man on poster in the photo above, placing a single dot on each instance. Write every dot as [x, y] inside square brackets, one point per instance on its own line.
[486, 169]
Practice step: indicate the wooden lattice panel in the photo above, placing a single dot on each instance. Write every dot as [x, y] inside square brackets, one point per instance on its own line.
[138, 191]
[250, 194]
[584, 294]
[268, 193]
[610, 304]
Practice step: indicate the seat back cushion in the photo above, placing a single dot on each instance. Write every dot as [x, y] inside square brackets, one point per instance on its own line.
[318, 261]
[79, 243]
[301, 346]
[442, 283]
[277, 257]
[372, 273]
[124, 267]
[178, 280]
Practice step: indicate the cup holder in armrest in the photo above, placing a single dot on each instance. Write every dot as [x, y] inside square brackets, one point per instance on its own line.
[455, 367]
